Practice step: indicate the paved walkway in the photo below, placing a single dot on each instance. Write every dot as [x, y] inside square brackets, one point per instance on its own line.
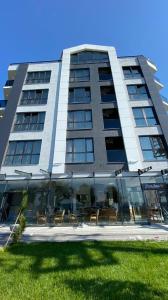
[79, 233]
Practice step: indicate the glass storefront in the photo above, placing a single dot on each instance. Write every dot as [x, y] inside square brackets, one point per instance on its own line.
[96, 200]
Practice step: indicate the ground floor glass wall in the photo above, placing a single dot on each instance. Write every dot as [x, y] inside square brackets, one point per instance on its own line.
[105, 200]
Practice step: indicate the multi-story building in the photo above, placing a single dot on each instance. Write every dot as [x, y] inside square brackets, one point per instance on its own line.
[88, 135]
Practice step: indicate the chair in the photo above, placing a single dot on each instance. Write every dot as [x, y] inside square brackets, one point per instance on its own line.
[154, 214]
[109, 214]
[41, 218]
[112, 215]
[72, 217]
[59, 216]
[94, 216]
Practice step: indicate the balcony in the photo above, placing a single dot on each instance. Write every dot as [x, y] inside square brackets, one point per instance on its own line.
[108, 98]
[112, 124]
[152, 65]
[114, 156]
[135, 97]
[9, 83]
[157, 81]
[3, 103]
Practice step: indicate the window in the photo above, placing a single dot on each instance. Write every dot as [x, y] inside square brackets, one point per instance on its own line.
[80, 119]
[153, 147]
[36, 97]
[115, 149]
[38, 77]
[145, 116]
[111, 118]
[132, 72]
[89, 57]
[138, 92]
[79, 95]
[33, 121]
[79, 150]
[105, 74]
[107, 94]
[79, 75]
[23, 153]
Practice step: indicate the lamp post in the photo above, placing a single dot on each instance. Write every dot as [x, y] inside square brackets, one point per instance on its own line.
[119, 185]
[140, 172]
[49, 186]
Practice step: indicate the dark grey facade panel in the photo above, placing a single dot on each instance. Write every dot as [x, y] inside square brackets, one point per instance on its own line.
[7, 121]
[97, 132]
[155, 97]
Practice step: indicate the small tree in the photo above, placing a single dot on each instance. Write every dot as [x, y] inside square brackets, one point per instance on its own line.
[20, 223]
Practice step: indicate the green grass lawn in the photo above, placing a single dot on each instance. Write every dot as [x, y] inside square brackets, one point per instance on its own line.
[85, 270]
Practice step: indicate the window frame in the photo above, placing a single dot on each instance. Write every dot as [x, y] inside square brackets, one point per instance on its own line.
[145, 118]
[73, 122]
[135, 96]
[85, 152]
[32, 98]
[132, 74]
[73, 100]
[29, 124]
[38, 77]
[21, 155]
[91, 59]
[74, 77]
[152, 149]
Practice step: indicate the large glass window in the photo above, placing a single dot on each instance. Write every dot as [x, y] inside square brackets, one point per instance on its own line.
[107, 93]
[38, 77]
[153, 147]
[80, 119]
[79, 95]
[23, 153]
[36, 97]
[132, 72]
[31, 121]
[89, 57]
[138, 92]
[79, 150]
[79, 75]
[145, 116]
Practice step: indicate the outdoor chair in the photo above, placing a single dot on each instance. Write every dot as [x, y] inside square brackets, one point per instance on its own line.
[109, 214]
[59, 216]
[72, 217]
[41, 218]
[94, 216]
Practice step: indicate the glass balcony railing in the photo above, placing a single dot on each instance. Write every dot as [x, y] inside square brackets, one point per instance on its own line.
[9, 83]
[139, 96]
[112, 124]
[133, 76]
[164, 98]
[108, 98]
[103, 77]
[3, 103]
[115, 156]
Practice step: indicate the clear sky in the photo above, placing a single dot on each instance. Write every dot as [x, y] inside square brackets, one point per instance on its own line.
[33, 30]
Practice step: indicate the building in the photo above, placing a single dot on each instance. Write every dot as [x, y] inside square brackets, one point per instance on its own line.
[87, 137]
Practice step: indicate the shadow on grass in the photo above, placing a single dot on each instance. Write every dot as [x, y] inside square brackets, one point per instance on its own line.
[98, 289]
[68, 256]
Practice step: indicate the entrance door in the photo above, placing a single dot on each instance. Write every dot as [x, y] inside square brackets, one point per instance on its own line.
[163, 200]
[157, 205]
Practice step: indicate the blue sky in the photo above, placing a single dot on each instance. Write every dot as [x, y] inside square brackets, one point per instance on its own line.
[39, 29]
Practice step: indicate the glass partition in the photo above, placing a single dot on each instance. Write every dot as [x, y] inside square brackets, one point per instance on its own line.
[13, 197]
[108, 200]
[133, 203]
